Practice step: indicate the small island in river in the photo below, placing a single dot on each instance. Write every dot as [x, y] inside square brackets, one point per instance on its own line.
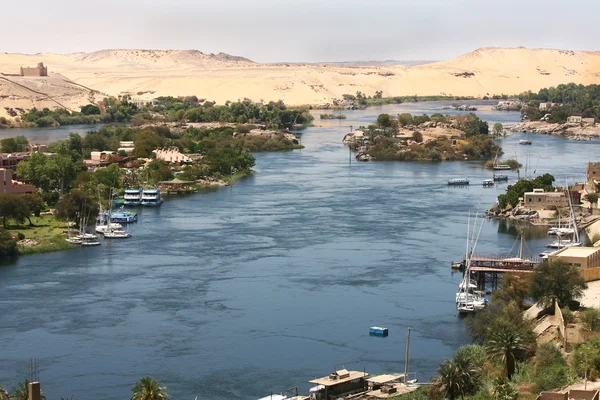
[424, 138]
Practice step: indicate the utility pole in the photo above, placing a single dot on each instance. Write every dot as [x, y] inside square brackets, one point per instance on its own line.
[406, 361]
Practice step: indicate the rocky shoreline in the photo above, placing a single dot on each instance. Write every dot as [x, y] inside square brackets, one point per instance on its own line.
[573, 131]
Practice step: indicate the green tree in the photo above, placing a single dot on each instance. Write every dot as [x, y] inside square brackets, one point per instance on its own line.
[456, 377]
[507, 344]
[35, 204]
[498, 129]
[476, 127]
[592, 198]
[405, 119]
[590, 319]
[384, 121]
[13, 206]
[586, 358]
[417, 136]
[556, 281]
[75, 143]
[8, 246]
[90, 109]
[110, 177]
[148, 389]
[76, 206]
[515, 288]
[504, 389]
[14, 144]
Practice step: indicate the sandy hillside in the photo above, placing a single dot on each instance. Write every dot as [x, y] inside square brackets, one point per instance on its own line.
[221, 77]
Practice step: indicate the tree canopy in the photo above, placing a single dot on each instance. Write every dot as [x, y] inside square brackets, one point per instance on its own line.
[556, 281]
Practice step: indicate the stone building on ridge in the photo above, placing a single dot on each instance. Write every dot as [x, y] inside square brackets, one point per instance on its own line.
[40, 70]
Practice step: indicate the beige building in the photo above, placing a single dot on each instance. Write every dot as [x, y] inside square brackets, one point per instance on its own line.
[574, 119]
[593, 172]
[101, 155]
[539, 200]
[587, 259]
[40, 70]
[588, 121]
[9, 185]
[547, 106]
[10, 160]
[171, 155]
[126, 146]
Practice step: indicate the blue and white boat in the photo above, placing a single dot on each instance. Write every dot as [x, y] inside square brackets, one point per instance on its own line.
[378, 331]
[133, 197]
[151, 198]
[123, 217]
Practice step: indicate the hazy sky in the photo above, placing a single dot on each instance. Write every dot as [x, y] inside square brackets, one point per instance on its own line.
[301, 30]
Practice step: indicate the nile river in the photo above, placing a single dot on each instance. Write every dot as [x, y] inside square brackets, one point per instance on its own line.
[247, 290]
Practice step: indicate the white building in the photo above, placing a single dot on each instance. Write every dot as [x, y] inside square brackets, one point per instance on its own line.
[171, 155]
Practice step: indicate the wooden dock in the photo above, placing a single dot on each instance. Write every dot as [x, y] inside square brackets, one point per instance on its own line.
[502, 264]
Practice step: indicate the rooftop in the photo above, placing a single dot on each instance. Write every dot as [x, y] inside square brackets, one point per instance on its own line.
[577, 252]
[343, 377]
[384, 378]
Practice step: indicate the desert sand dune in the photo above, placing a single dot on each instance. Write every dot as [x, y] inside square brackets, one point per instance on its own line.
[221, 77]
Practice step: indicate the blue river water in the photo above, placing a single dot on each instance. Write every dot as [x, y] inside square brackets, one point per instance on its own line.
[246, 290]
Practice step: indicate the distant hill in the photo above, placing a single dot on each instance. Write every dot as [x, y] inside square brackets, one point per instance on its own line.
[75, 78]
[373, 63]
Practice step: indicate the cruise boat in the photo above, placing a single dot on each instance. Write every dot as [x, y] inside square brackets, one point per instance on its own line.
[133, 197]
[524, 141]
[458, 182]
[500, 178]
[151, 198]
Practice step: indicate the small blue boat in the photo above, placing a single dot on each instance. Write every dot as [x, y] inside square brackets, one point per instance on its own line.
[378, 331]
[123, 217]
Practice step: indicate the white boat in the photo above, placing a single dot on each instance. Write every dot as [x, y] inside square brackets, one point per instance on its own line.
[89, 242]
[561, 244]
[499, 167]
[488, 182]
[133, 197]
[458, 182]
[151, 198]
[116, 234]
[113, 225]
[524, 141]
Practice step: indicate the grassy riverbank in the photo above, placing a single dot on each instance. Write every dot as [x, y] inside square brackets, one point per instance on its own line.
[43, 237]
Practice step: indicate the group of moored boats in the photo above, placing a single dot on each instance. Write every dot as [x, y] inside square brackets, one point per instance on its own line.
[468, 298]
[486, 182]
[566, 235]
[109, 224]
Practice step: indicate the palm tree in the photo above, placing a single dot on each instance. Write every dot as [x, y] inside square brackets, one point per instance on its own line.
[448, 383]
[148, 389]
[21, 392]
[4, 394]
[506, 343]
[458, 376]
